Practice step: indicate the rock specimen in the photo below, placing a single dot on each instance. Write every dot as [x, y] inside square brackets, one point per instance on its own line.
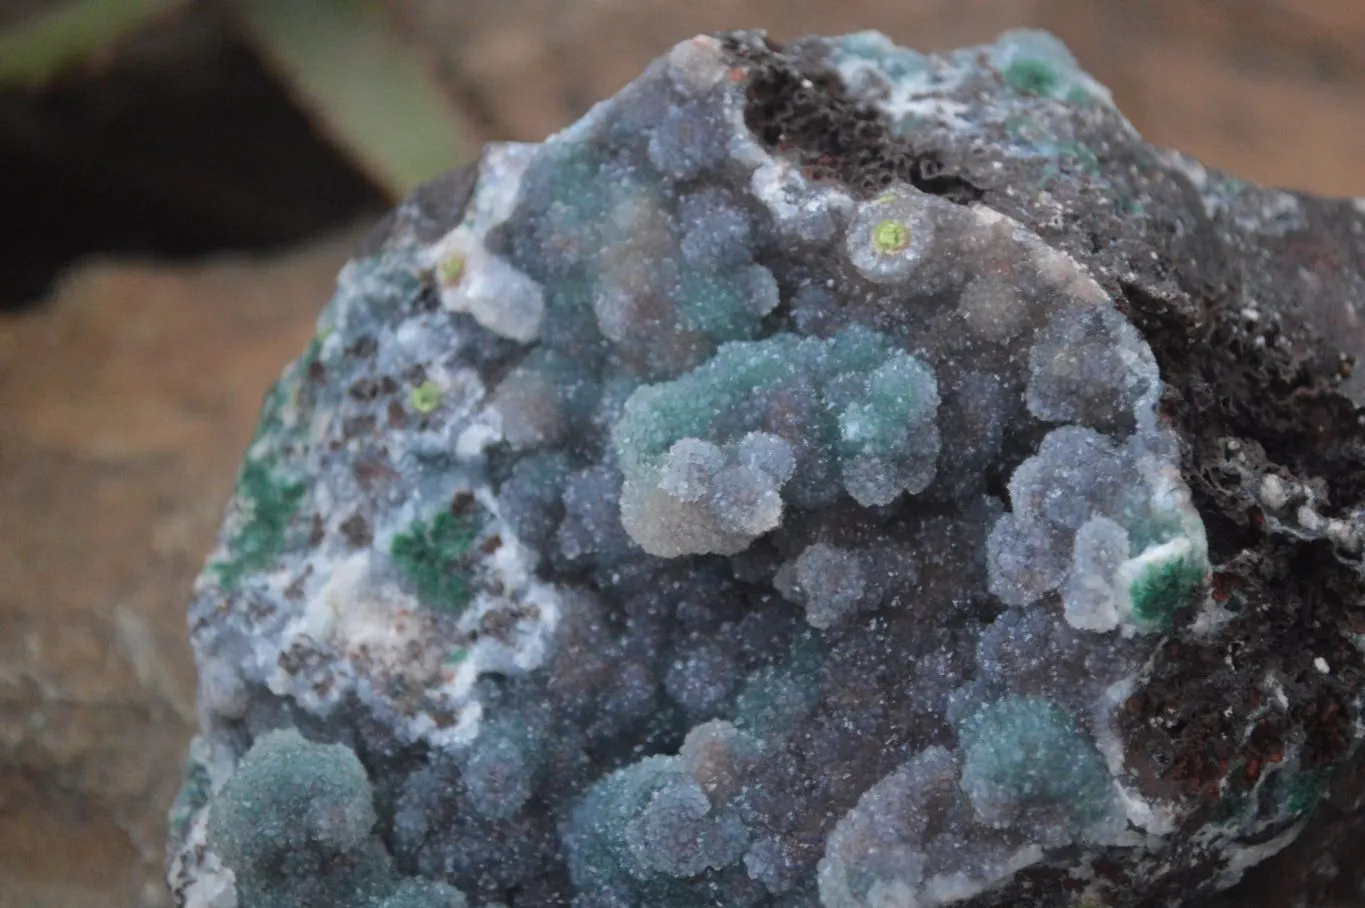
[824, 475]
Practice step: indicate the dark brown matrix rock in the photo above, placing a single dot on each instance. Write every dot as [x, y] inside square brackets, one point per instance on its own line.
[826, 475]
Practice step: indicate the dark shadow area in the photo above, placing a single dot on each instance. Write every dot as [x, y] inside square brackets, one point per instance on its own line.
[181, 143]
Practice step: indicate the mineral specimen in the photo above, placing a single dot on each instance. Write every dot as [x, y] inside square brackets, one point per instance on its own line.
[825, 474]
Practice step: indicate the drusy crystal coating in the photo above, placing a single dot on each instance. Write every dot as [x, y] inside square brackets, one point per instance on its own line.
[824, 475]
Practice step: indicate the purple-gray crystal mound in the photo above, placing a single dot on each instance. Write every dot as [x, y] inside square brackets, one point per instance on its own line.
[824, 475]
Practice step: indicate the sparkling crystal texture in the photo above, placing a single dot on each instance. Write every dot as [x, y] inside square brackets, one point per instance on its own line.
[824, 475]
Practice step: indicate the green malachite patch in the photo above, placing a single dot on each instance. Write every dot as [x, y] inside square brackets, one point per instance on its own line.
[430, 553]
[194, 794]
[1304, 791]
[1282, 792]
[1033, 77]
[1164, 587]
[272, 502]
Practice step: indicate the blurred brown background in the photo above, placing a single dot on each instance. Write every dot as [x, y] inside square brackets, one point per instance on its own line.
[178, 200]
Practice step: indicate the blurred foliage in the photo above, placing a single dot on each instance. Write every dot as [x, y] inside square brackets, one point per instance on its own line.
[40, 46]
[368, 90]
[363, 87]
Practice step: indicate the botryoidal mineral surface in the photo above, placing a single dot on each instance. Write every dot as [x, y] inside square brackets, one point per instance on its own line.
[824, 475]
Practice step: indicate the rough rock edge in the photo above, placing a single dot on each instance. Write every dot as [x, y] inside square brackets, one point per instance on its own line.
[1254, 390]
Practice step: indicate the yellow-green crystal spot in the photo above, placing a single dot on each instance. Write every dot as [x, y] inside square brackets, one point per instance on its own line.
[450, 269]
[425, 398]
[890, 236]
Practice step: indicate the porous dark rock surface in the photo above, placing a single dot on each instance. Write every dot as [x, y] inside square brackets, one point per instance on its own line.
[824, 475]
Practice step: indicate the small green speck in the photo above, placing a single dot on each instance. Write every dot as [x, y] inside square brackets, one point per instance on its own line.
[426, 397]
[451, 269]
[890, 236]
[1032, 77]
[272, 503]
[430, 553]
[1164, 587]
[1304, 791]
[193, 795]
[457, 656]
